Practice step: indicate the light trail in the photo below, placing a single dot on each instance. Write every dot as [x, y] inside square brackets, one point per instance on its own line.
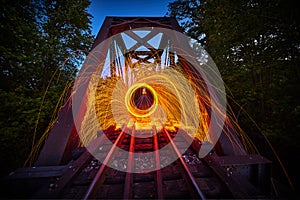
[148, 94]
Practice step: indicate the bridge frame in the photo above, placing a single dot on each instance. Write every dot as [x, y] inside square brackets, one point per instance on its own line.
[61, 145]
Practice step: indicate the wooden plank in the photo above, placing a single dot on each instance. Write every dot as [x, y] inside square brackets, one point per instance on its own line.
[37, 172]
[241, 160]
[239, 186]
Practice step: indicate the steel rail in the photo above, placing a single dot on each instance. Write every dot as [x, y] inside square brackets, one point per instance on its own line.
[99, 176]
[190, 178]
[158, 178]
[130, 164]
[232, 182]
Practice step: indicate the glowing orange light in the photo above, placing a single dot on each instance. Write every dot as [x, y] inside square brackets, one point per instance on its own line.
[145, 107]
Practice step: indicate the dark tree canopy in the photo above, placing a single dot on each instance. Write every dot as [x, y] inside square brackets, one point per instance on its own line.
[255, 44]
[42, 45]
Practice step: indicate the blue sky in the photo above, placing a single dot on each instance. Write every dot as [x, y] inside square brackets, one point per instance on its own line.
[102, 8]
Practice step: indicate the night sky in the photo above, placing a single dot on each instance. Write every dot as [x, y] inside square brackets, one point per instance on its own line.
[102, 8]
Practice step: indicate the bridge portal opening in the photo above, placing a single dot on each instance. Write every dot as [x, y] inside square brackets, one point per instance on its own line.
[143, 98]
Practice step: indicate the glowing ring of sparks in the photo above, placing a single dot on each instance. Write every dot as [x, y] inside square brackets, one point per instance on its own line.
[131, 105]
[102, 100]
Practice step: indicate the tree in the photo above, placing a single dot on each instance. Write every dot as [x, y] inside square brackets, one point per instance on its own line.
[255, 44]
[42, 45]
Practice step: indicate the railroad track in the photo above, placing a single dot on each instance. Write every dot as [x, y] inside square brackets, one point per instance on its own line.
[188, 177]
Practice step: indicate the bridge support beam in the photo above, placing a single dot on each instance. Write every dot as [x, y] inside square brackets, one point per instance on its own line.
[62, 140]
